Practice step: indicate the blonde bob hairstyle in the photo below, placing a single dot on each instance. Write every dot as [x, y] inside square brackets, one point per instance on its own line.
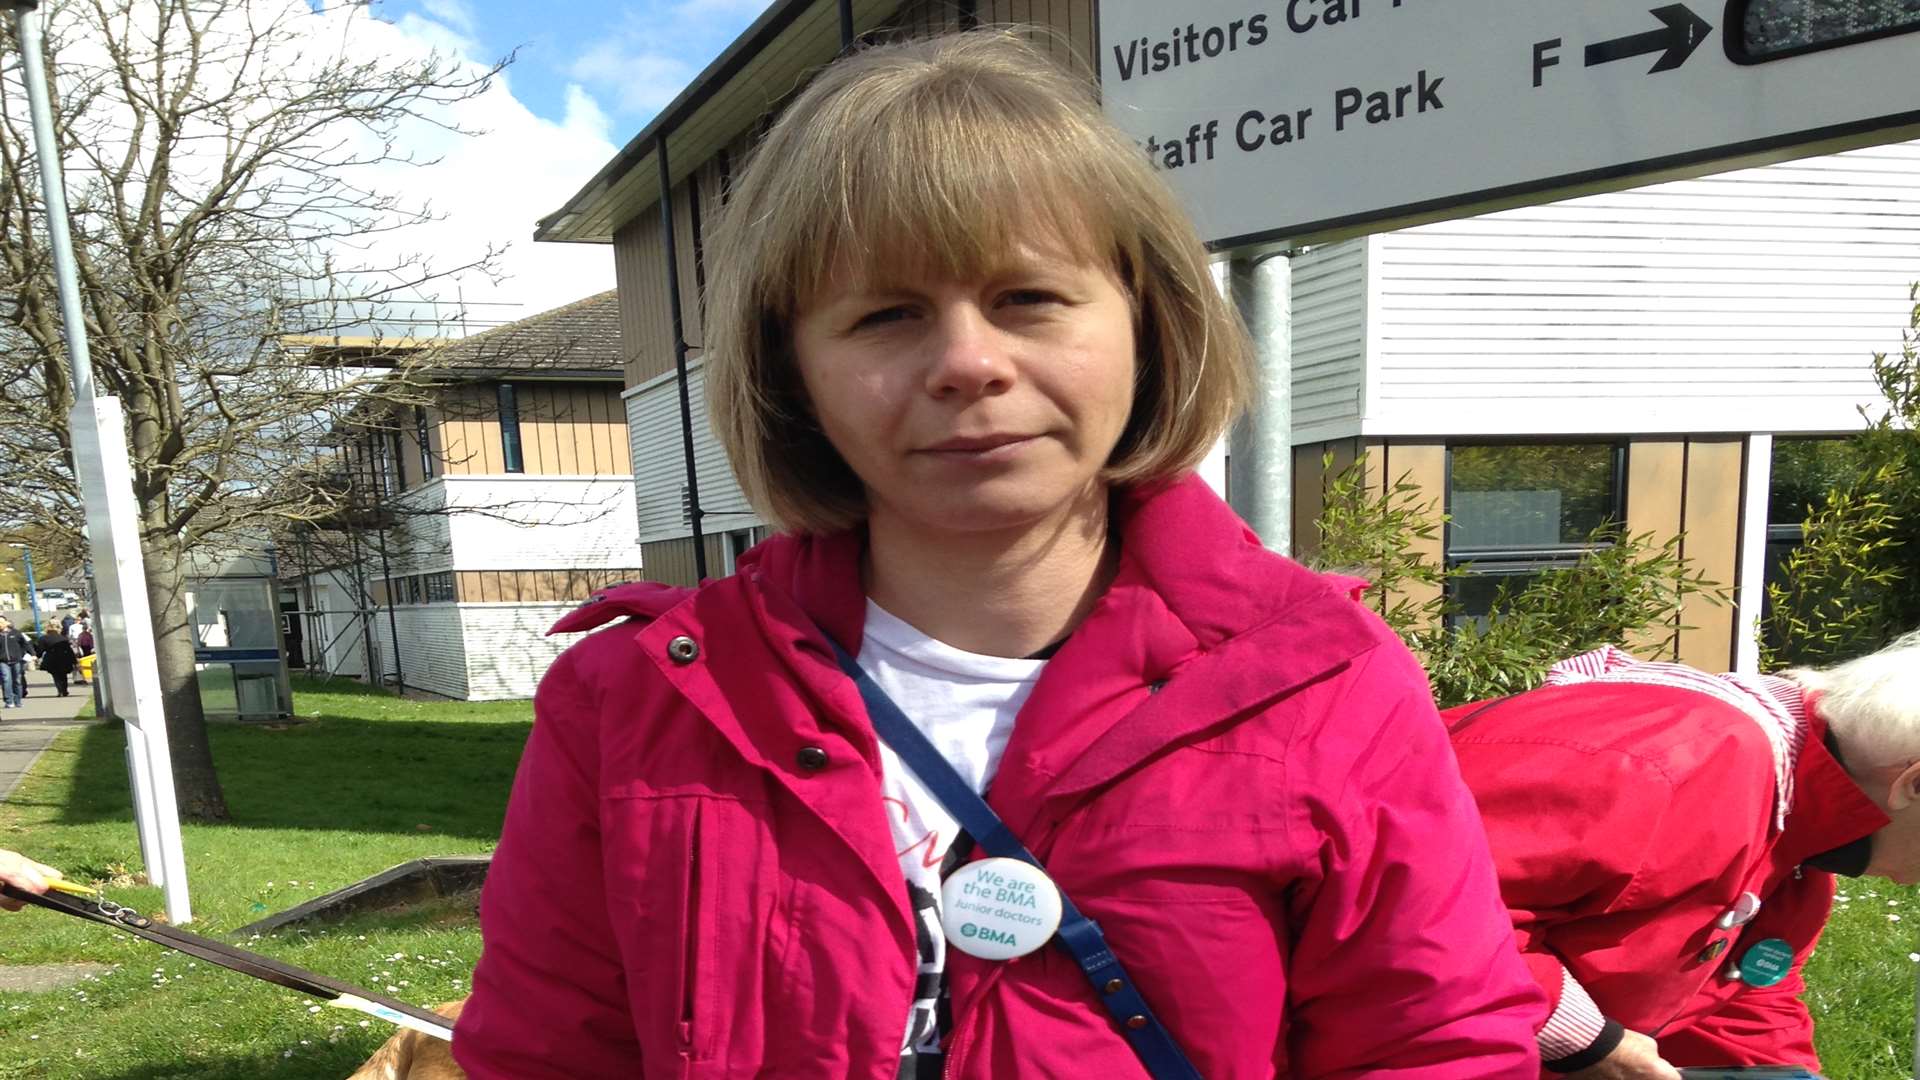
[935, 159]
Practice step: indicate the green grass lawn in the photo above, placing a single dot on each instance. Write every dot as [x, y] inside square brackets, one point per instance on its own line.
[366, 781]
[1861, 982]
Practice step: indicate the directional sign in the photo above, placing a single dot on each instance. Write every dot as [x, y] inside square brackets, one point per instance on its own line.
[1296, 119]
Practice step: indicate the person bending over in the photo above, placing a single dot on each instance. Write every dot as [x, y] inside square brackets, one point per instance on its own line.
[1667, 841]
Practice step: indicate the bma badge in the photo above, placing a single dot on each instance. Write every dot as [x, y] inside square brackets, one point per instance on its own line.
[1766, 963]
[997, 909]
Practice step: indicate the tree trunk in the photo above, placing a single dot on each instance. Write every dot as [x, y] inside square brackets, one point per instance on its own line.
[196, 787]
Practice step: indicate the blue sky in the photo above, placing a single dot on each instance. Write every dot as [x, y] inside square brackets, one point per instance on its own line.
[630, 57]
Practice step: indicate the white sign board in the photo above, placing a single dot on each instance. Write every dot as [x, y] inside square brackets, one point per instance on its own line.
[123, 626]
[1291, 119]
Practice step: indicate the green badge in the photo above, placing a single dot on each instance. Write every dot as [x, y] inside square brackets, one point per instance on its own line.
[1766, 963]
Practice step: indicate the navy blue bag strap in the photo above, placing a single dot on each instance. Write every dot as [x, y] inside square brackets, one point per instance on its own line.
[1078, 935]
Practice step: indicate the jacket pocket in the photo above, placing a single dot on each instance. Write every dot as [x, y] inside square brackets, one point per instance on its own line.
[680, 869]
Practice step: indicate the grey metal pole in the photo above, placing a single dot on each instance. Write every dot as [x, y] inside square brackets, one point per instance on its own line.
[33, 590]
[680, 358]
[1260, 448]
[53, 192]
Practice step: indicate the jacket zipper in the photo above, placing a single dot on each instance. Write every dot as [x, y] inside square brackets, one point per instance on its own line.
[690, 937]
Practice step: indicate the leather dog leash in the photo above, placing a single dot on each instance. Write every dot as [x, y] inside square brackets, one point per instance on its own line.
[345, 995]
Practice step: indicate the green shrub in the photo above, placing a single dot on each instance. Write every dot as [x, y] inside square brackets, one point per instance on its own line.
[1627, 588]
[1850, 586]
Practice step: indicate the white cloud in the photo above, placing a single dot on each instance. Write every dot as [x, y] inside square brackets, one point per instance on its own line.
[454, 13]
[642, 79]
[486, 189]
[646, 59]
[491, 188]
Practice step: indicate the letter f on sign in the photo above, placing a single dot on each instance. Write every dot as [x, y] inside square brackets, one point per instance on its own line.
[1543, 58]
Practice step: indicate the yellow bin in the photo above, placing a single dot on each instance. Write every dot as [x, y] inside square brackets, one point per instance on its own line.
[86, 667]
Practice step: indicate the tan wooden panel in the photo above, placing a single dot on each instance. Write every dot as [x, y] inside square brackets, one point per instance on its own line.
[466, 586]
[684, 252]
[456, 459]
[553, 435]
[437, 438]
[486, 436]
[1712, 547]
[646, 334]
[618, 436]
[1079, 29]
[593, 436]
[668, 561]
[1425, 466]
[576, 431]
[1309, 497]
[610, 433]
[1656, 470]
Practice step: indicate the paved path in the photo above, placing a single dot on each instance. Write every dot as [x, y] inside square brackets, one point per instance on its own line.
[24, 733]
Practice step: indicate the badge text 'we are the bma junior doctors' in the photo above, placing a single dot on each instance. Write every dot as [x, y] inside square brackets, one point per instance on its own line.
[1303, 118]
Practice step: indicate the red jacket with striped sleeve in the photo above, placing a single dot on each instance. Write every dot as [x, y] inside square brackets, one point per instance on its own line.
[1625, 820]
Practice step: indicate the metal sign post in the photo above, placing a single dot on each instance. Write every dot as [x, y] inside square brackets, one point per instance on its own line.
[122, 622]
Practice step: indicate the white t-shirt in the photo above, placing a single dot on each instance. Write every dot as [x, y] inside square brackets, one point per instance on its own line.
[965, 703]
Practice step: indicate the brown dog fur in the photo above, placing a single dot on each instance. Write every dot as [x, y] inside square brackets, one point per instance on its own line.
[410, 1055]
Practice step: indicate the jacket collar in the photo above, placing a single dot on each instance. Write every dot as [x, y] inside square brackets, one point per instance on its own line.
[1829, 809]
[1195, 594]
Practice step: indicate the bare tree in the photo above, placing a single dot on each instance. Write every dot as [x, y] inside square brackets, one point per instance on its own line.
[224, 160]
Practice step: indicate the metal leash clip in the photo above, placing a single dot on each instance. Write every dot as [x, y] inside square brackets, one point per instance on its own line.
[119, 913]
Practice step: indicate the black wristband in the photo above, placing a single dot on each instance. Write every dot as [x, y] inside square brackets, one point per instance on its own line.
[1608, 1041]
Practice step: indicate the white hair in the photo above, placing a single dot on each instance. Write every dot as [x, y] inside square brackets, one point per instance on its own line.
[1872, 704]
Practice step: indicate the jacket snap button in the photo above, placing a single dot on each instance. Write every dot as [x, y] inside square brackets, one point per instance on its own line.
[812, 758]
[1136, 1021]
[683, 650]
[1114, 986]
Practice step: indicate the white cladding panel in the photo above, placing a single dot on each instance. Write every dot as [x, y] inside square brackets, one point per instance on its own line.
[422, 539]
[1748, 301]
[435, 656]
[508, 649]
[1329, 340]
[660, 467]
[541, 523]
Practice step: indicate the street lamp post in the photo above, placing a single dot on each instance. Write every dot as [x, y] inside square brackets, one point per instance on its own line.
[33, 594]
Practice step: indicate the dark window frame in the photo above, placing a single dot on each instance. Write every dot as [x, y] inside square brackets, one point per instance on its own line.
[1493, 562]
[512, 458]
[424, 435]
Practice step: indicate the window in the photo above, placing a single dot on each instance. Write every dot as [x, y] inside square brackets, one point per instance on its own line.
[423, 436]
[1762, 30]
[386, 465]
[1802, 472]
[510, 429]
[1520, 510]
[399, 458]
[440, 587]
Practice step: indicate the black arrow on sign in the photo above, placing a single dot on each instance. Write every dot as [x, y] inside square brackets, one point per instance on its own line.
[1683, 33]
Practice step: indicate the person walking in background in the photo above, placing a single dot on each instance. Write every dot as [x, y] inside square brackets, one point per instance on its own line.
[57, 659]
[14, 650]
[82, 646]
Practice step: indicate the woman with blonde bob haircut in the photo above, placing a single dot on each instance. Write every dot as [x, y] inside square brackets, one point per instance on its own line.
[964, 347]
